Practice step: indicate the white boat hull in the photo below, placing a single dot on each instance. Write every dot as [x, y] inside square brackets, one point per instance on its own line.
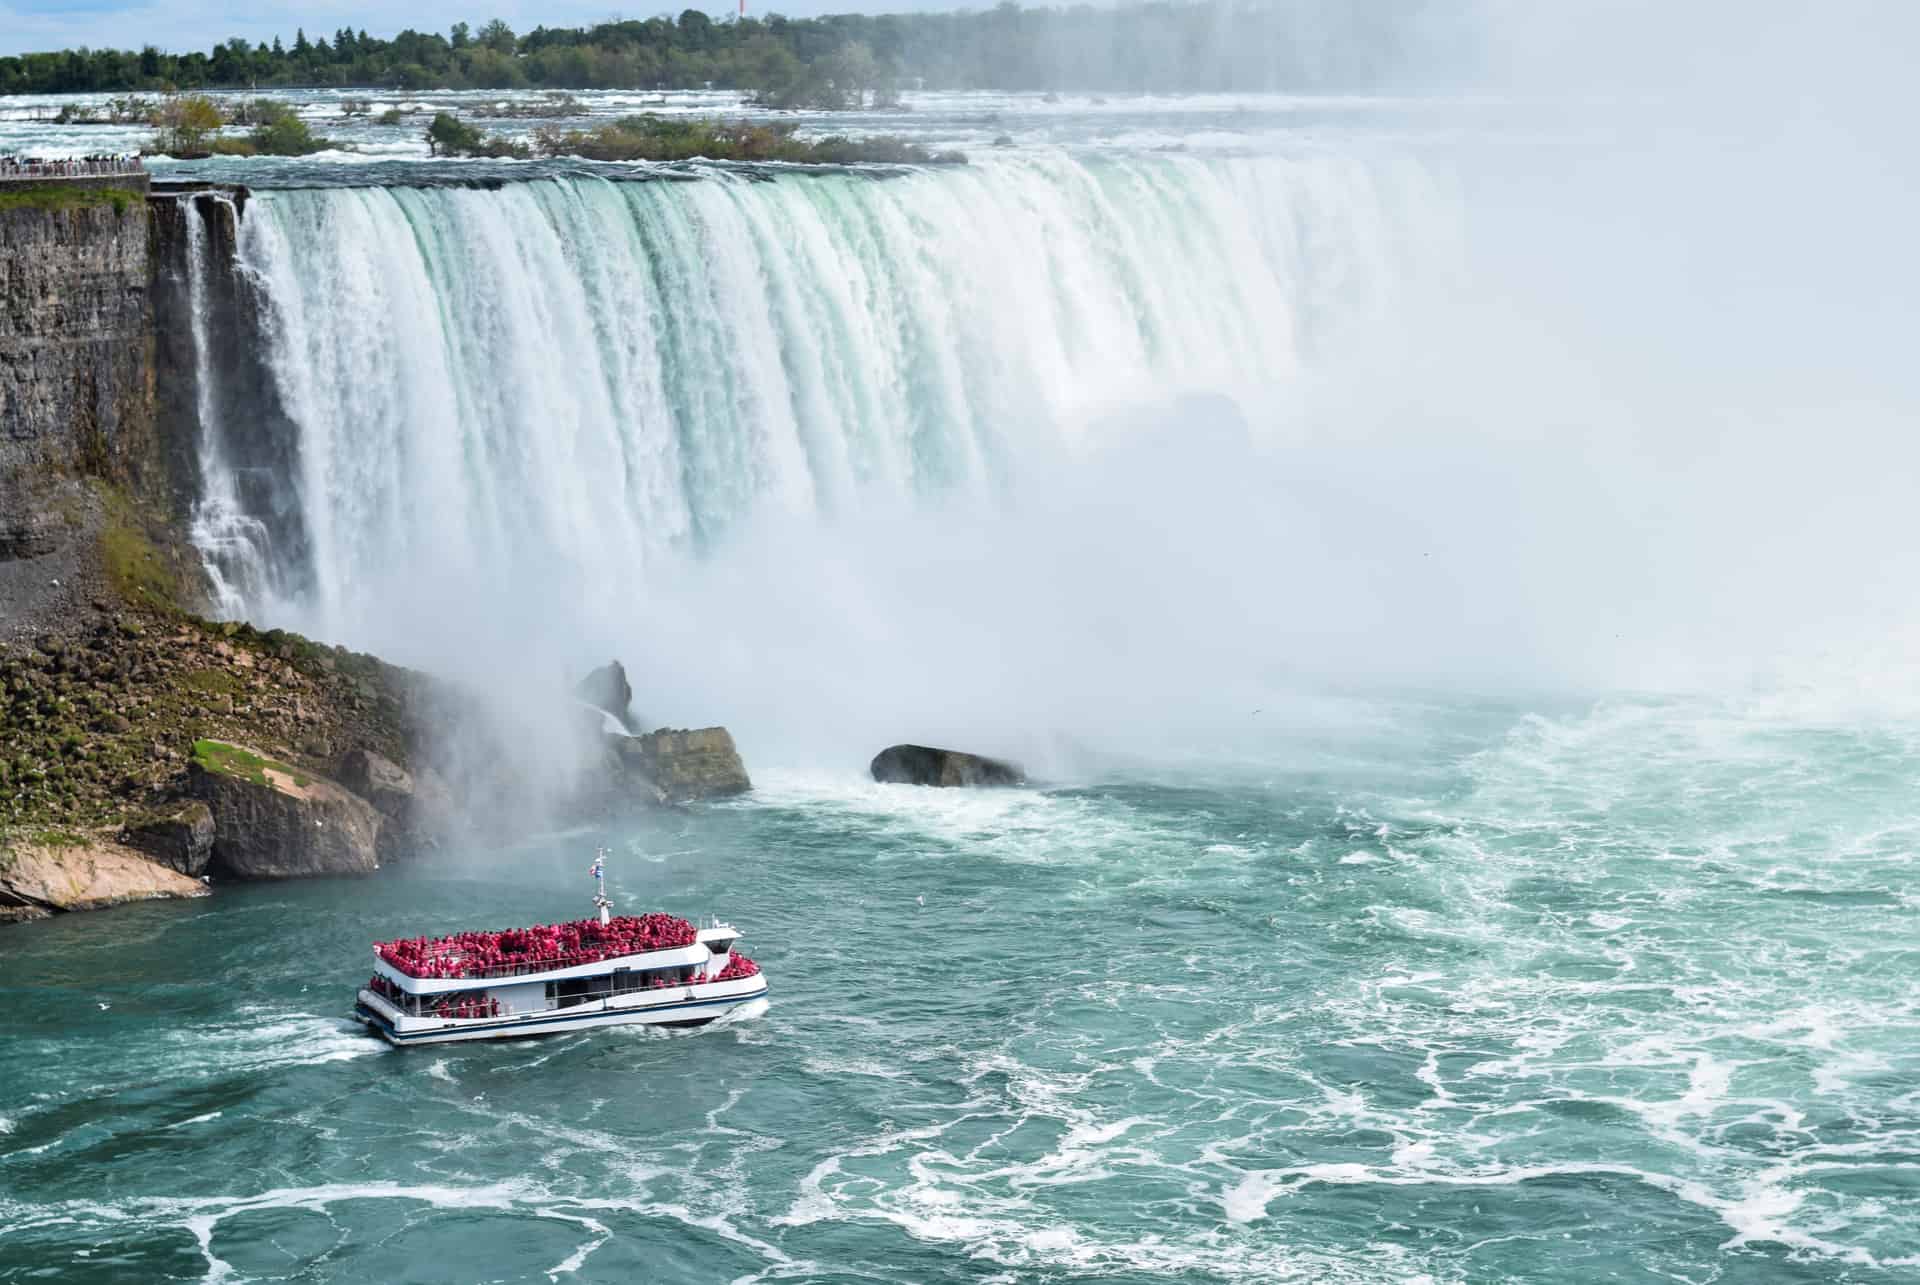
[692, 1006]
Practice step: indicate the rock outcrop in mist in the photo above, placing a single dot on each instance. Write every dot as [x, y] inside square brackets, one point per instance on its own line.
[925, 765]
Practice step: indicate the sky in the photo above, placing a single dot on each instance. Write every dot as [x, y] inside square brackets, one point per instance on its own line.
[181, 25]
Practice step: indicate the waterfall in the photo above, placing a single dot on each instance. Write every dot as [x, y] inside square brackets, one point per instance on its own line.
[234, 545]
[550, 388]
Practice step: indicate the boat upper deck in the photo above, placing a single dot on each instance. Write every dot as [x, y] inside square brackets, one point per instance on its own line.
[543, 948]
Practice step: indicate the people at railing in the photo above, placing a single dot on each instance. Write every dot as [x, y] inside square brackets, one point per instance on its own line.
[737, 966]
[96, 166]
[541, 947]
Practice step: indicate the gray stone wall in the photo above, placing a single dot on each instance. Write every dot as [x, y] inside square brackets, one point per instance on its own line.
[76, 372]
[76, 363]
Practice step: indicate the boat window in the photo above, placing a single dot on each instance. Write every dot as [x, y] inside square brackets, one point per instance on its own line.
[582, 990]
[722, 946]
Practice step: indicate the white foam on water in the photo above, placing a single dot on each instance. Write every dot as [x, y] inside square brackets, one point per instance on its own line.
[855, 1066]
[578, 1258]
[198, 1119]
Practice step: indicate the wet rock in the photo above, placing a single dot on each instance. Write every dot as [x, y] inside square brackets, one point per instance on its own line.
[925, 765]
[180, 837]
[607, 688]
[274, 821]
[378, 780]
[685, 765]
[39, 877]
[416, 809]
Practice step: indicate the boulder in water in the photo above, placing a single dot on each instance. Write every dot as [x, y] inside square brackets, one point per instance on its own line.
[273, 821]
[682, 765]
[925, 765]
[607, 688]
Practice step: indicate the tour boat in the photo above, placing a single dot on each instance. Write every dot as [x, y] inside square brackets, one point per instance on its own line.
[654, 969]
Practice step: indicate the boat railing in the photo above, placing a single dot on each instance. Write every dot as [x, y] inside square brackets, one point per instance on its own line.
[516, 968]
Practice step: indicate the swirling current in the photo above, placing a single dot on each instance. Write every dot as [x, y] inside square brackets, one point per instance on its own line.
[1624, 992]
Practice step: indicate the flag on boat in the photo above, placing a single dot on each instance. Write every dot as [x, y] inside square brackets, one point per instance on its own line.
[599, 868]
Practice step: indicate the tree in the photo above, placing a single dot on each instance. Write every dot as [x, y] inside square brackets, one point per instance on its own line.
[285, 135]
[696, 28]
[497, 36]
[852, 71]
[184, 121]
[460, 35]
[451, 136]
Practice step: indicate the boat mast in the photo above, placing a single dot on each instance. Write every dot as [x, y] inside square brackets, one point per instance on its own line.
[599, 873]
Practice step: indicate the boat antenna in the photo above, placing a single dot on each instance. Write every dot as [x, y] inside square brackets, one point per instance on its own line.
[599, 873]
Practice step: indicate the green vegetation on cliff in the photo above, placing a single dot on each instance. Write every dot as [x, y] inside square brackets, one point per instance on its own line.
[98, 726]
[68, 196]
[231, 760]
[141, 573]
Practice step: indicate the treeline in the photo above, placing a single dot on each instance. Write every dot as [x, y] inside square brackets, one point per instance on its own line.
[1161, 45]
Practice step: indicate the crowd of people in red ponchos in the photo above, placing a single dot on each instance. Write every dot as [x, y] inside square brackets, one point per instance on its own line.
[737, 966]
[543, 946]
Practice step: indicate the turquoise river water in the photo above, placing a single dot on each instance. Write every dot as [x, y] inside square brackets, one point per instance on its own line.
[1622, 992]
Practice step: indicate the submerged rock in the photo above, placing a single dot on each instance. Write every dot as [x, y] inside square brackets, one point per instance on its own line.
[925, 765]
[272, 821]
[682, 765]
[180, 836]
[607, 688]
[39, 876]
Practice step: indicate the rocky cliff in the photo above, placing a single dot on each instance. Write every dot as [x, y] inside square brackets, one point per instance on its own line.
[76, 371]
[143, 747]
[78, 452]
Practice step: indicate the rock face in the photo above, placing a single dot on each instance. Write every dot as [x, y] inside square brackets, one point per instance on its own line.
[924, 765]
[40, 878]
[378, 780]
[607, 688]
[686, 765]
[181, 837]
[272, 821]
[75, 343]
[415, 810]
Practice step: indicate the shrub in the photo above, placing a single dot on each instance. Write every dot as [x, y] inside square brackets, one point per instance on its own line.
[451, 135]
[661, 138]
[448, 135]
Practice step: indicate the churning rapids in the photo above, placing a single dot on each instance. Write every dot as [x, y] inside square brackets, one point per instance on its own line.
[1374, 984]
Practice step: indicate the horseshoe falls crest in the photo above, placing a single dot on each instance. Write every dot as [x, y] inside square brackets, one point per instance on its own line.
[564, 382]
[1451, 601]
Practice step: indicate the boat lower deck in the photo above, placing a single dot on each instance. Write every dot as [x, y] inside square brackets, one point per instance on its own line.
[695, 1006]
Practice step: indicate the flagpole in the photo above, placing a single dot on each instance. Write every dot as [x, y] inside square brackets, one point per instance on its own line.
[600, 884]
